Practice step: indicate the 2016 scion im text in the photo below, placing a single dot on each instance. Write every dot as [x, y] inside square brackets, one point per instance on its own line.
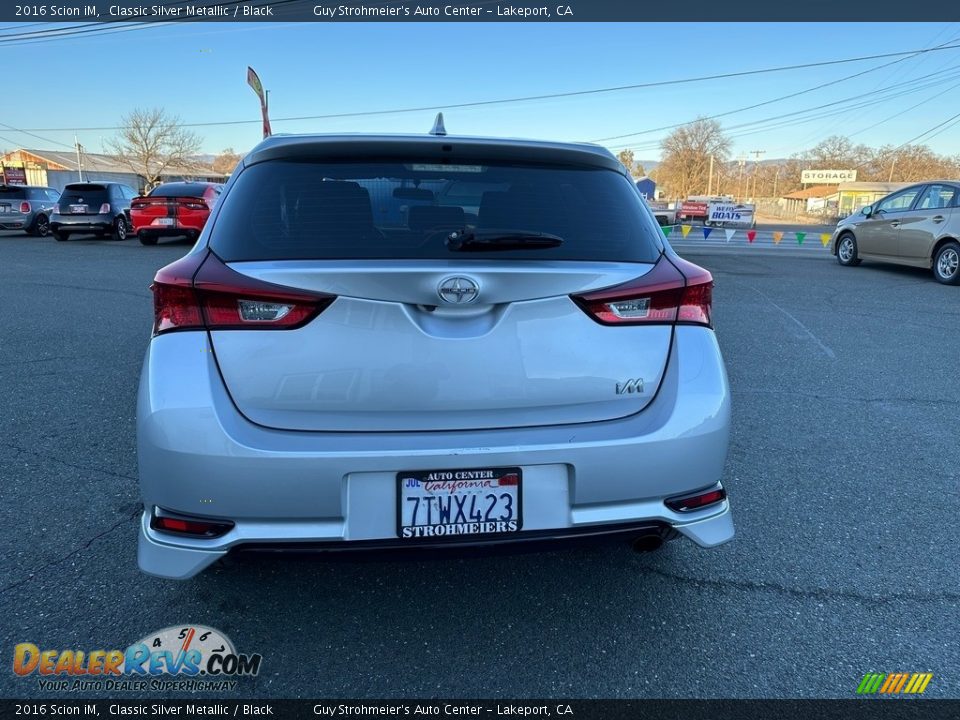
[403, 342]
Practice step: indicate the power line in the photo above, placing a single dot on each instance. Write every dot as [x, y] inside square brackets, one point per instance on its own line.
[774, 100]
[778, 121]
[534, 98]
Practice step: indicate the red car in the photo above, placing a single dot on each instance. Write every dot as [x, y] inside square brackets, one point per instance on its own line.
[173, 209]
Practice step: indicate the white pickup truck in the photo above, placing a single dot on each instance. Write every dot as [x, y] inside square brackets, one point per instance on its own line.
[663, 213]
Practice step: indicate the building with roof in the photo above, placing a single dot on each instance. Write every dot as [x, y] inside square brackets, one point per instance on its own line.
[55, 168]
[837, 200]
[807, 200]
[852, 196]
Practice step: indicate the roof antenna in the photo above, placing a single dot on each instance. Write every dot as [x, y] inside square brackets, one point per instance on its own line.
[438, 128]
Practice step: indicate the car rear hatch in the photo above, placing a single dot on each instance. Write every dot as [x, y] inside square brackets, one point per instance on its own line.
[12, 197]
[409, 331]
[83, 199]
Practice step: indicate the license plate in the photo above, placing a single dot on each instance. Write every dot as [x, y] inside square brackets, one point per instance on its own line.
[164, 221]
[78, 208]
[457, 503]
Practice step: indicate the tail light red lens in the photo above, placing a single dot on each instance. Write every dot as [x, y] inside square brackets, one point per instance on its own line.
[194, 527]
[194, 203]
[667, 294]
[105, 209]
[200, 291]
[24, 207]
[56, 209]
[697, 501]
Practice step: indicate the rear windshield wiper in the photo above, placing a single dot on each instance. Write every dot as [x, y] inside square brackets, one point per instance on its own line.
[473, 241]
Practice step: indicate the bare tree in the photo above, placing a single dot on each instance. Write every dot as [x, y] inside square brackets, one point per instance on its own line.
[226, 161]
[151, 142]
[686, 153]
[837, 152]
[626, 157]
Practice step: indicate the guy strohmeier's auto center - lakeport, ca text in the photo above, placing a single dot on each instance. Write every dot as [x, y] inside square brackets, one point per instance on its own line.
[230, 10]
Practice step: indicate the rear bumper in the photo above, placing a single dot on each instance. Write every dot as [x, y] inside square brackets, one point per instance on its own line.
[198, 456]
[15, 221]
[81, 223]
[167, 231]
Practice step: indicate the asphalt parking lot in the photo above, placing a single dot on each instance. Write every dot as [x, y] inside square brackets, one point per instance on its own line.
[843, 472]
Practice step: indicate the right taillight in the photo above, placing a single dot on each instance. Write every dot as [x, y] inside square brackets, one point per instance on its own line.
[663, 296]
[105, 209]
[200, 291]
[697, 501]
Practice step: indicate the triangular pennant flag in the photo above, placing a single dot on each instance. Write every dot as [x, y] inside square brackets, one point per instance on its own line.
[751, 235]
[666, 229]
[777, 237]
[800, 237]
[824, 238]
[685, 229]
[729, 234]
[706, 232]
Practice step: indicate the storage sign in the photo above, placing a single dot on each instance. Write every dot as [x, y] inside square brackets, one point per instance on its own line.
[729, 214]
[827, 177]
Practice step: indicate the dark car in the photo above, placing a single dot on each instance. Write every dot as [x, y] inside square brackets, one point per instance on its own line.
[175, 209]
[93, 207]
[27, 208]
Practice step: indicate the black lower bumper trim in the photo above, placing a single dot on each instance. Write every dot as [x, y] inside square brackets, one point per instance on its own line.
[523, 541]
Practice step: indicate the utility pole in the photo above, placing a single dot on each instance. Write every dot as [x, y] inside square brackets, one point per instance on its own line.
[710, 180]
[756, 160]
[741, 161]
[76, 144]
[893, 164]
[775, 178]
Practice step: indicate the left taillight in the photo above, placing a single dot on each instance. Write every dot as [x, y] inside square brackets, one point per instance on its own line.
[24, 207]
[193, 203]
[673, 292]
[200, 291]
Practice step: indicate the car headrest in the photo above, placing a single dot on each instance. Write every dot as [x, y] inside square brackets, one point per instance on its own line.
[334, 208]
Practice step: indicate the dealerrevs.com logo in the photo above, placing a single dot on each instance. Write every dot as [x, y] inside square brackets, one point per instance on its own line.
[184, 657]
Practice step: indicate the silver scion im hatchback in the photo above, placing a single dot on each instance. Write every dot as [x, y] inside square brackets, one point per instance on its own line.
[402, 342]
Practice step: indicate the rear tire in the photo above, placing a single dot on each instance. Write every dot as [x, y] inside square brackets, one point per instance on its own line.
[60, 236]
[119, 229]
[40, 226]
[146, 238]
[847, 254]
[946, 264]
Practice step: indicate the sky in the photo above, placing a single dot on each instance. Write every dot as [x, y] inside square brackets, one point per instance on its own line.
[197, 72]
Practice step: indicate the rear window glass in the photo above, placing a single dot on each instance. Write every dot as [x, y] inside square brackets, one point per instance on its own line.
[179, 190]
[11, 192]
[84, 195]
[306, 210]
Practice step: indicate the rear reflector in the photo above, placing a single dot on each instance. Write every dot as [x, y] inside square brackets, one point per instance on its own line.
[194, 527]
[663, 296]
[200, 291]
[698, 501]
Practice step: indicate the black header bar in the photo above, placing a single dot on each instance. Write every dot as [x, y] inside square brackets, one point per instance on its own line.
[328, 11]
